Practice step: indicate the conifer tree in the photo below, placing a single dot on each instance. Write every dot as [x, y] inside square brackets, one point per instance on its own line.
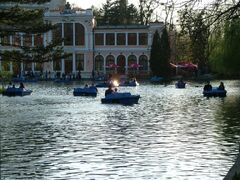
[155, 54]
[15, 20]
[160, 55]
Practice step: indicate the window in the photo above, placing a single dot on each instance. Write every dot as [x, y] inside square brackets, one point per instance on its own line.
[121, 39]
[69, 64]
[132, 39]
[57, 33]
[143, 61]
[132, 59]
[27, 40]
[143, 39]
[99, 39]
[110, 39]
[99, 63]
[57, 65]
[110, 60]
[38, 67]
[38, 40]
[80, 62]
[79, 34]
[16, 40]
[5, 41]
[68, 34]
[121, 63]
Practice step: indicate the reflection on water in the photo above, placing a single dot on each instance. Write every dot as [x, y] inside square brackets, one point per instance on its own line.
[171, 134]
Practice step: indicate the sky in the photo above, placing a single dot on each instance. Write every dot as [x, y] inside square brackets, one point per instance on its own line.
[97, 3]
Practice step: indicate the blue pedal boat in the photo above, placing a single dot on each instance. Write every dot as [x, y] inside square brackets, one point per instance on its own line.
[89, 91]
[16, 92]
[121, 98]
[215, 92]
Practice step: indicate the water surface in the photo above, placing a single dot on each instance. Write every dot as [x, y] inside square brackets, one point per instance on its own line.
[171, 134]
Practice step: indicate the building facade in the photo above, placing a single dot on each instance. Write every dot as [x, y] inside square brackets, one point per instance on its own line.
[91, 47]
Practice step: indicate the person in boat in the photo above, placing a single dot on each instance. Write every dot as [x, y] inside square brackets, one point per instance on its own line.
[21, 85]
[9, 85]
[180, 82]
[109, 90]
[115, 90]
[94, 87]
[221, 86]
[207, 87]
[86, 86]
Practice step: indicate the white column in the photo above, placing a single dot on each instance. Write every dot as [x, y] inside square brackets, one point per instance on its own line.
[21, 42]
[62, 33]
[115, 38]
[74, 36]
[33, 67]
[104, 65]
[126, 66]
[45, 39]
[74, 63]
[11, 40]
[126, 35]
[86, 40]
[33, 43]
[104, 39]
[137, 38]
[11, 67]
[85, 64]
[22, 69]
[62, 67]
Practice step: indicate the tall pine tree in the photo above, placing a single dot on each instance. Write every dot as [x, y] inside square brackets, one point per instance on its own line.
[155, 54]
[160, 55]
[15, 20]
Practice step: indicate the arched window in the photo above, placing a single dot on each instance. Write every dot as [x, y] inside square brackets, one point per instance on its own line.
[79, 34]
[110, 60]
[68, 34]
[132, 59]
[121, 62]
[99, 63]
[143, 61]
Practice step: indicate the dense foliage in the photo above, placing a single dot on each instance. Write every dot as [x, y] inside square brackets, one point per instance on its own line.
[116, 12]
[119, 12]
[160, 55]
[193, 25]
[225, 49]
[15, 20]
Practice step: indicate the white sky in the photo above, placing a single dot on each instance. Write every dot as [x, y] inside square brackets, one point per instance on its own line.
[97, 3]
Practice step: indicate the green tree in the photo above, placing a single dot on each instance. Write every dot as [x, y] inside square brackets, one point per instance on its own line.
[225, 49]
[15, 20]
[160, 55]
[155, 54]
[193, 25]
[116, 12]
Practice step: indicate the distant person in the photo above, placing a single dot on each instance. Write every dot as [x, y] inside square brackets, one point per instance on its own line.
[86, 86]
[79, 75]
[207, 87]
[109, 90]
[221, 86]
[94, 87]
[115, 90]
[21, 85]
[9, 84]
[93, 74]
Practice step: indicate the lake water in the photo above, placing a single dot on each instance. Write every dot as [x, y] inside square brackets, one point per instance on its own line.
[171, 134]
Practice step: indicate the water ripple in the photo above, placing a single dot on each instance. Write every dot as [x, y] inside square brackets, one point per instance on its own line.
[171, 134]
